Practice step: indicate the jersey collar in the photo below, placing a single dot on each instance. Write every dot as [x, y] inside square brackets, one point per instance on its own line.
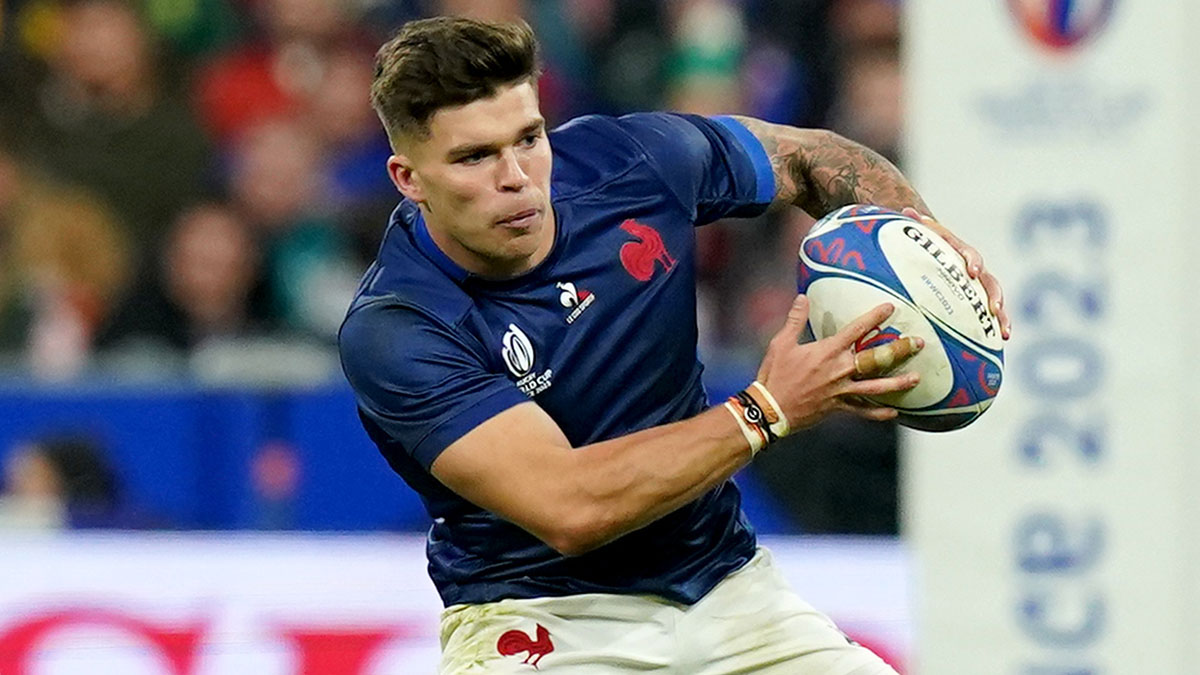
[436, 255]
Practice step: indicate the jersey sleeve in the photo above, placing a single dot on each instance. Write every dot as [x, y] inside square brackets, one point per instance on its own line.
[420, 381]
[713, 165]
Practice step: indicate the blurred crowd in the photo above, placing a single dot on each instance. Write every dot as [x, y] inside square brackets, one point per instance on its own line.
[181, 173]
[192, 184]
[60, 482]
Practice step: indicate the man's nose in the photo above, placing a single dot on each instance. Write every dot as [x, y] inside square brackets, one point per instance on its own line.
[512, 175]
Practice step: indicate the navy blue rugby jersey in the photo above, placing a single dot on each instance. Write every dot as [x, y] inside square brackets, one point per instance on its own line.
[601, 334]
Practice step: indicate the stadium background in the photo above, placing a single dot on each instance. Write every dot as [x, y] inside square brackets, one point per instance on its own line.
[192, 189]
[189, 190]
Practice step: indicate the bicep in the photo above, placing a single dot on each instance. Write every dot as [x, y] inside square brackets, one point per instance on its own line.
[714, 166]
[423, 385]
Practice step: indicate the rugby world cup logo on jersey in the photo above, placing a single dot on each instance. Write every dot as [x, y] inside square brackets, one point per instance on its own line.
[1061, 24]
[517, 352]
[576, 300]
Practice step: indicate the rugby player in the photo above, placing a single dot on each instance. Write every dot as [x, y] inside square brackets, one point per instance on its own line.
[523, 351]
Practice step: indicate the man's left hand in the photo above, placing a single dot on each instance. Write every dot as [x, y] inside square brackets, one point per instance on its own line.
[975, 268]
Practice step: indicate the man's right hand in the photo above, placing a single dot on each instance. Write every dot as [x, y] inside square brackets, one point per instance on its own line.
[812, 380]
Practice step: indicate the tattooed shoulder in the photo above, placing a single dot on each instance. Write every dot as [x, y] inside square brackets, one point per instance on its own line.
[819, 170]
[783, 152]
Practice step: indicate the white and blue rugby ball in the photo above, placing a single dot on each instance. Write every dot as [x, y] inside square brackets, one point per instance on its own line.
[861, 256]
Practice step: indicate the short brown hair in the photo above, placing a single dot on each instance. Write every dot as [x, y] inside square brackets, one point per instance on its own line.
[447, 61]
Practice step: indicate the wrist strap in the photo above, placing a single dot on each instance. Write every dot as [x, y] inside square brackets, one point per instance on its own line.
[758, 416]
[754, 435]
[755, 416]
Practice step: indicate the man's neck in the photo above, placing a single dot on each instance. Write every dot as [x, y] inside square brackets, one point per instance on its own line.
[492, 267]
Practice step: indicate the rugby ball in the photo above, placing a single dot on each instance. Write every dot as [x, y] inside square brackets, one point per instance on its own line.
[861, 256]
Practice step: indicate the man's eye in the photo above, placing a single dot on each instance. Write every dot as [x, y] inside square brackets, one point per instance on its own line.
[473, 158]
[530, 140]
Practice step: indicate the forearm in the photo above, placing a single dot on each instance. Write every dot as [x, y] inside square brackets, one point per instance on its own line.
[520, 466]
[819, 171]
[626, 483]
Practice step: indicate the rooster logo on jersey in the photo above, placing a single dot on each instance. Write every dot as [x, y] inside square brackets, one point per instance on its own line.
[642, 257]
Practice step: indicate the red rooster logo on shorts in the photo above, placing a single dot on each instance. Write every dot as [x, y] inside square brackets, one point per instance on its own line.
[515, 642]
[640, 257]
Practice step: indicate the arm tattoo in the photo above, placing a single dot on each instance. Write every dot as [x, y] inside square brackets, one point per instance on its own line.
[818, 170]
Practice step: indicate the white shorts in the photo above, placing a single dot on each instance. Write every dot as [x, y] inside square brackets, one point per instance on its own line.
[750, 623]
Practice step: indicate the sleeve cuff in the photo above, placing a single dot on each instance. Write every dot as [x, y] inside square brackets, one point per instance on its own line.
[763, 173]
[455, 428]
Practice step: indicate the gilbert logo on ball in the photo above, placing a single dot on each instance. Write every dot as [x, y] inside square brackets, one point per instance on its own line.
[859, 257]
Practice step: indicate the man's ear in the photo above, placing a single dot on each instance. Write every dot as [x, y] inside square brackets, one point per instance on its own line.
[404, 177]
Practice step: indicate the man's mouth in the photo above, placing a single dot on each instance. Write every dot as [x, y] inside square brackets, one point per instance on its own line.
[520, 219]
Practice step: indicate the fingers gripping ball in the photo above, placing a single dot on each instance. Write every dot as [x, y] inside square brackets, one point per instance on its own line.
[860, 256]
[877, 352]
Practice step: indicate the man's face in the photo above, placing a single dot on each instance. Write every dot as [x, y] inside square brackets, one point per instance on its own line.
[482, 179]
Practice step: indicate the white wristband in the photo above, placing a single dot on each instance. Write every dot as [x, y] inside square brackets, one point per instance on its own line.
[780, 428]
